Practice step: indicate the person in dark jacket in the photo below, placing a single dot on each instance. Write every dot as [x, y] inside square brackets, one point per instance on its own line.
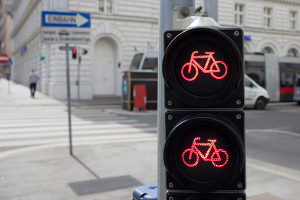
[33, 79]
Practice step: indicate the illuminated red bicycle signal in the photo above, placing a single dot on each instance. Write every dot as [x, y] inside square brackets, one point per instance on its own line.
[218, 158]
[213, 69]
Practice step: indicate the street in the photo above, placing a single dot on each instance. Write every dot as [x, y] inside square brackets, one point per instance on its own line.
[116, 151]
[273, 135]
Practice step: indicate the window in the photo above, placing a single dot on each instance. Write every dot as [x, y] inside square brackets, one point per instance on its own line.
[267, 17]
[105, 6]
[267, 50]
[248, 83]
[293, 20]
[135, 64]
[150, 64]
[239, 14]
[292, 52]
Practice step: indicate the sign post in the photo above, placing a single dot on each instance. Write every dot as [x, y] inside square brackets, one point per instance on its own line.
[4, 59]
[68, 97]
[66, 27]
[78, 74]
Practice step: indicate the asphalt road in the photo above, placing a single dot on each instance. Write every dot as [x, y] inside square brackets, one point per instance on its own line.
[272, 135]
[34, 140]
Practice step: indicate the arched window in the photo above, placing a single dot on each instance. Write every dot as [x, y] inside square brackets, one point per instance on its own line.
[267, 50]
[293, 52]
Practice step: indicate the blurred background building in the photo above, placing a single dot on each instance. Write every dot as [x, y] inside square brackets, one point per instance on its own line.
[5, 41]
[121, 27]
[118, 29]
[270, 26]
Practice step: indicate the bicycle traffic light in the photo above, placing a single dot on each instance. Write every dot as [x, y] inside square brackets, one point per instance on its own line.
[74, 53]
[204, 152]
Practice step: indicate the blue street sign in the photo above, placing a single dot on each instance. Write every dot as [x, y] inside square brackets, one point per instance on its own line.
[66, 19]
[9, 62]
[247, 37]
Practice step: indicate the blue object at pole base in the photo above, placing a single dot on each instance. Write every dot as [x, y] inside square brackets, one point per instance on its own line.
[147, 192]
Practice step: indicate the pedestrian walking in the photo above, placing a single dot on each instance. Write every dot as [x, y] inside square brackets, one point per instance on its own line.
[33, 79]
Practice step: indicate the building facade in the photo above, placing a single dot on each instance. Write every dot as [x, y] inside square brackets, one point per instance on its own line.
[120, 27]
[5, 42]
[270, 26]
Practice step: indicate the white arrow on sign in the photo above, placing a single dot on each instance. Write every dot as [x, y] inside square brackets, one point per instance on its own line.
[80, 20]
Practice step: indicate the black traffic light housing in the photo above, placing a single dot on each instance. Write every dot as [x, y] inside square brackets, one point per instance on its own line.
[209, 174]
[226, 46]
[74, 53]
[204, 152]
[195, 196]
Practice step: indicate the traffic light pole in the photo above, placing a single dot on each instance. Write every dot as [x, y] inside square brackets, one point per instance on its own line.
[68, 99]
[78, 74]
[165, 23]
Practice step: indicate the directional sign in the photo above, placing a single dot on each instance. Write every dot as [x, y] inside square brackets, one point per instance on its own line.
[65, 27]
[3, 58]
[66, 19]
[65, 35]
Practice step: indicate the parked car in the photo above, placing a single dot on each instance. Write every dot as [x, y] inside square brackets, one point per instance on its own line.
[255, 95]
[296, 96]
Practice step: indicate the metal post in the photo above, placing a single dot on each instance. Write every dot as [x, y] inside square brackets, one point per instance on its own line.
[165, 23]
[9, 78]
[8, 88]
[78, 74]
[211, 9]
[68, 98]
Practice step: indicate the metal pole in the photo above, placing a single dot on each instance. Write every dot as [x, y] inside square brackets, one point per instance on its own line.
[165, 23]
[8, 88]
[68, 98]
[78, 78]
[78, 75]
[211, 9]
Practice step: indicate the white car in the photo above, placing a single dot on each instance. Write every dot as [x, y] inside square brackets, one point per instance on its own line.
[255, 95]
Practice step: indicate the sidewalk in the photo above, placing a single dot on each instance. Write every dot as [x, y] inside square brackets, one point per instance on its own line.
[12, 94]
[103, 170]
[98, 172]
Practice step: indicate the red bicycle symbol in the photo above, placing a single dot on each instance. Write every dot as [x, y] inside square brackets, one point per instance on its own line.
[213, 69]
[218, 158]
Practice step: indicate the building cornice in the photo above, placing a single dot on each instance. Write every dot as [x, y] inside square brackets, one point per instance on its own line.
[291, 2]
[117, 17]
[265, 30]
[31, 6]
[272, 31]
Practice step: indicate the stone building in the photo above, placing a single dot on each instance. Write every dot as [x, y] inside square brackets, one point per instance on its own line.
[120, 27]
[270, 26]
[5, 42]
